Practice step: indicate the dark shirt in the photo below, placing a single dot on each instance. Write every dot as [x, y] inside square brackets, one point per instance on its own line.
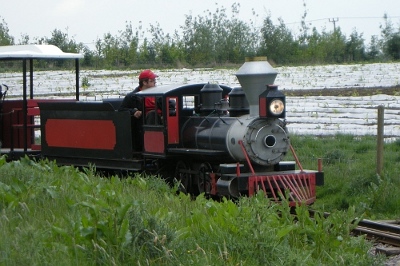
[132, 102]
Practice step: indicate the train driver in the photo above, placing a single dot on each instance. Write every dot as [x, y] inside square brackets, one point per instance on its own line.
[134, 104]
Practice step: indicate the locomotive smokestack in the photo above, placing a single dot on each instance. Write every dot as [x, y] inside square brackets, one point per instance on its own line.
[253, 76]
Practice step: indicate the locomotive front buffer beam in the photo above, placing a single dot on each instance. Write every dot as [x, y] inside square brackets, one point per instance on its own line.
[296, 186]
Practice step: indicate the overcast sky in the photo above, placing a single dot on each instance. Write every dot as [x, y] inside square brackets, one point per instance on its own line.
[87, 20]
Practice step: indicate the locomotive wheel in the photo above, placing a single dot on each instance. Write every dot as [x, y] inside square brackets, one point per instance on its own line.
[204, 181]
[182, 176]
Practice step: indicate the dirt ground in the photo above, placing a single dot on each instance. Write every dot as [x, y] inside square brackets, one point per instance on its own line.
[345, 91]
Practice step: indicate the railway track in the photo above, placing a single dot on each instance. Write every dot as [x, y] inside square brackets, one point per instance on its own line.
[380, 231]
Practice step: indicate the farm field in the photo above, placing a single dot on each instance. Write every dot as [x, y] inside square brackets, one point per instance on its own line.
[321, 100]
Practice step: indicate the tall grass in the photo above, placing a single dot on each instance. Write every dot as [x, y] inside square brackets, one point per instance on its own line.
[53, 215]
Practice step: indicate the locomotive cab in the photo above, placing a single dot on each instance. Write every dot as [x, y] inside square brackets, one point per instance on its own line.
[160, 125]
[161, 132]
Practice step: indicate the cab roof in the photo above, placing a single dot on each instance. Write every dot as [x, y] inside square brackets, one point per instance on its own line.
[35, 52]
[178, 89]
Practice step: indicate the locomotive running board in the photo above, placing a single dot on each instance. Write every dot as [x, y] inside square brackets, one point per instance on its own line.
[196, 151]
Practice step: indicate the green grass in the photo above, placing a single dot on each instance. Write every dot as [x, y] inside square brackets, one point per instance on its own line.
[350, 174]
[53, 215]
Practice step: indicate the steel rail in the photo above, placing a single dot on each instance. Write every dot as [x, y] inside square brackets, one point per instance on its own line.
[381, 232]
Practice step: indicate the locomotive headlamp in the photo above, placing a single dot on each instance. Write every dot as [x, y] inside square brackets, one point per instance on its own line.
[272, 103]
[277, 106]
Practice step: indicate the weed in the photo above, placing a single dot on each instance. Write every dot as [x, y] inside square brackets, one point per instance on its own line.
[334, 156]
[85, 82]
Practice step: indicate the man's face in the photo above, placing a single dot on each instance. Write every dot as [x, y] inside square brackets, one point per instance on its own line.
[149, 83]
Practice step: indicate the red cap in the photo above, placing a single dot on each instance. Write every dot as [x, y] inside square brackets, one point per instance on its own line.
[147, 74]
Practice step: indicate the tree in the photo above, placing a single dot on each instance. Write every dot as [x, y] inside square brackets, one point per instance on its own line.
[335, 46]
[198, 40]
[89, 59]
[304, 27]
[24, 39]
[129, 44]
[386, 29]
[277, 42]
[5, 37]
[393, 46]
[165, 47]
[110, 50]
[217, 38]
[355, 49]
[374, 51]
[62, 41]
[312, 51]
[234, 39]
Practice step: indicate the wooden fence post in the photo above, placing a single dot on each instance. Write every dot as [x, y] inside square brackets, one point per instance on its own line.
[380, 136]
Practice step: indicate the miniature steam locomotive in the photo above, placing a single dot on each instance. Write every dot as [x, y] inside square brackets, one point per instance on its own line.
[213, 139]
[210, 145]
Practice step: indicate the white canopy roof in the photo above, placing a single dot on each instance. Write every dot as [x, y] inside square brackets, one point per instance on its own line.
[35, 52]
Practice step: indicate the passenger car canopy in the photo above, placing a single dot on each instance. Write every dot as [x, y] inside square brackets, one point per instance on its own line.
[42, 52]
[35, 52]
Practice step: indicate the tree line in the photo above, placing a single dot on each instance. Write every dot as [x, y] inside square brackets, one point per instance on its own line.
[219, 38]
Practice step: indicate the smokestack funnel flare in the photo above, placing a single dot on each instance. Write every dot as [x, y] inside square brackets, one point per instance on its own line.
[253, 76]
